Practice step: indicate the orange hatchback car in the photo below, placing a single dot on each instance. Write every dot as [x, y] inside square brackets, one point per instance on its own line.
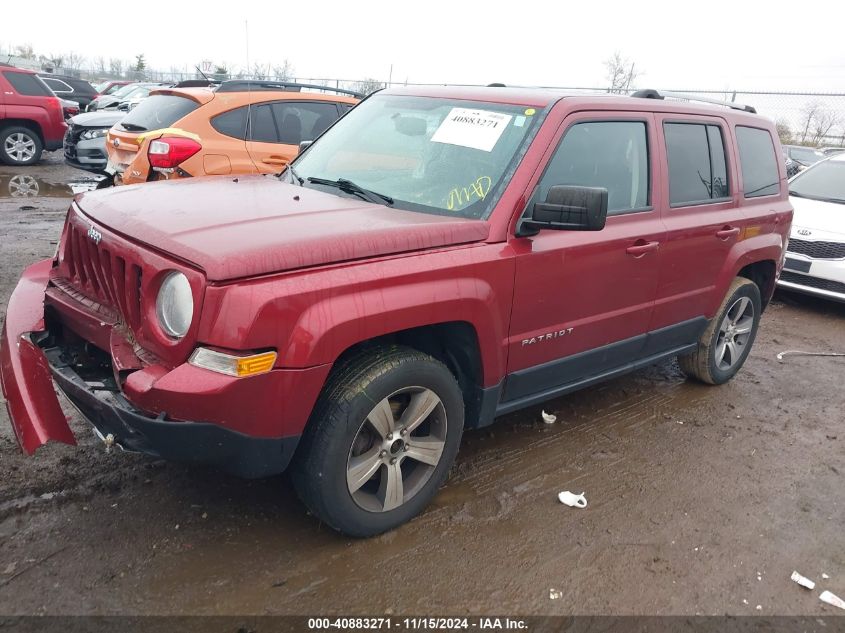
[238, 127]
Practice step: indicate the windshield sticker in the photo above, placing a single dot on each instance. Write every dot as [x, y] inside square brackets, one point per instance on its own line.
[519, 121]
[478, 129]
[530, 112]
[460, 197]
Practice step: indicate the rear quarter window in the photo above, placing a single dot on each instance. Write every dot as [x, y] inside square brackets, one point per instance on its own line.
[231, 123]
[28, 85]
[158, 111]
[760, 175]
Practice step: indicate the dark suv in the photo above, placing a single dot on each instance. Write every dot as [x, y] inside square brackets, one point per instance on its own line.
[438, 257]
[31, 117]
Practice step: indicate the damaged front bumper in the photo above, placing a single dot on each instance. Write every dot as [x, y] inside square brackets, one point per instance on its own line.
[30, 363]
[24, 371]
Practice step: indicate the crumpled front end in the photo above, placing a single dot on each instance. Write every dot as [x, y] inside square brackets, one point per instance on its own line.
[31, 400]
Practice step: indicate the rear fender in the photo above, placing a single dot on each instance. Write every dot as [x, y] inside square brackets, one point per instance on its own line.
[768, 247]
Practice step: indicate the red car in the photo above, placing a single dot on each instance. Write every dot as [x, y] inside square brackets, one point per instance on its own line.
[31, 117]
[438, 257]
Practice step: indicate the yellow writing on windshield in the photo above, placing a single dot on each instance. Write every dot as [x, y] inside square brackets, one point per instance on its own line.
[459, 197]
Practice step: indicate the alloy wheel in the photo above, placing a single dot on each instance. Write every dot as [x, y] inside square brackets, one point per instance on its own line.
[396, 449]
[19, 147]
[734, 333]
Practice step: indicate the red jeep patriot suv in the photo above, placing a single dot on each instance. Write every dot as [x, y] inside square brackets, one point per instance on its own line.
[438, 257]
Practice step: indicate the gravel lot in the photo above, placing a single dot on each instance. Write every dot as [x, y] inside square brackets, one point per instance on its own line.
[701, 499]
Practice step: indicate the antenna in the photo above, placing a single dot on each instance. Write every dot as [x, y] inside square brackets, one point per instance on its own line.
[199, 70]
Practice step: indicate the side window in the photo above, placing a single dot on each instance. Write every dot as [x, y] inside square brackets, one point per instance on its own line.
[231, 123]
[697, 165]
[28, 85]
[760, 174]
[263, 125]
[298, 121]
[57, 85]
[610, 154]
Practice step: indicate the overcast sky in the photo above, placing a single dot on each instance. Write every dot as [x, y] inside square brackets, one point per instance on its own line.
[705, 45]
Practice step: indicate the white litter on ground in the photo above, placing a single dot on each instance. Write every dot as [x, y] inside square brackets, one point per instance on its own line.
[795, 352]
[549, 418]
[572, 500]
[825, 576]
[833, 599]
[803, 581]
[554, 594]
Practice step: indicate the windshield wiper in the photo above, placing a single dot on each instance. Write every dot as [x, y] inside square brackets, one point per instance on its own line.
[350, 187]
[131, 127]
[299, 178]
[819, 198]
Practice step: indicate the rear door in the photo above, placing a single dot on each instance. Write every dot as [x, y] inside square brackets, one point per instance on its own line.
[701, 215]
[279, 127]
[583, 299]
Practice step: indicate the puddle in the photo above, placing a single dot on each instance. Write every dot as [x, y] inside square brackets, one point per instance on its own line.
[28, 186]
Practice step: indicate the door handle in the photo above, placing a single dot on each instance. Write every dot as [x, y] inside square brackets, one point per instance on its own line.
[727, 232]
[274, 160]
[641, 247]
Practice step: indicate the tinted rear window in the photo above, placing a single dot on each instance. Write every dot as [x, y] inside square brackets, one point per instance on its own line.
[697, 165]
[158, 111]
[28, 85]
[760, 174]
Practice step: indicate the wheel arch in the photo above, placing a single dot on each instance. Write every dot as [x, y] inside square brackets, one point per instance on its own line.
[27, 123]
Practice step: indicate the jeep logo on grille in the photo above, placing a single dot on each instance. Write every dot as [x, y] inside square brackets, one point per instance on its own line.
[95, 235]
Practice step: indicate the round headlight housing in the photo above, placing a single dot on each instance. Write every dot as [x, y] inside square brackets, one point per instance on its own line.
[175, 305]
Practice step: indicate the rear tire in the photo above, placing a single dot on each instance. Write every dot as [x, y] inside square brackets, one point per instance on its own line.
[20, 146]
[380, 442]
[726, 343]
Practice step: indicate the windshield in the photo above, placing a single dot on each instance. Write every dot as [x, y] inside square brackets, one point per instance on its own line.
[426, 154]
[825, 181]
[806, 155]
[123, 90]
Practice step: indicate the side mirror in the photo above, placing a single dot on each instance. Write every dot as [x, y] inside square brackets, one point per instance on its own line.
[567, 208]
[304, 145]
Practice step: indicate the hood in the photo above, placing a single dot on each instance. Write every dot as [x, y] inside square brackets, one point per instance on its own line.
[825, 221]
[97, 119]
[246, 226]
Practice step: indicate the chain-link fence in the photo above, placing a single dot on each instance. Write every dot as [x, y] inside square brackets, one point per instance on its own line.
[805, 118]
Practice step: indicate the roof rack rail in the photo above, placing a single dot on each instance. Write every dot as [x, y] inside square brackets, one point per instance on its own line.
[654, 94]
[196, 83]
[243, 85]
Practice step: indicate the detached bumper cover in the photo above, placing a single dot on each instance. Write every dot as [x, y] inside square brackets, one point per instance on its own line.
[24, 372]
[197, 442]
[28, 372]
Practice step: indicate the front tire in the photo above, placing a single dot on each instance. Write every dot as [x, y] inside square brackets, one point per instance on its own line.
[726, 343]
[380, 442]
[20, 146]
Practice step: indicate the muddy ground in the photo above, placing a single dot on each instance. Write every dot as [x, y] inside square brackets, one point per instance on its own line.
[701, 499]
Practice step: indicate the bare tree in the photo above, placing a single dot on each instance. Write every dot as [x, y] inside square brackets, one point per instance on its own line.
[260, 71]
[825, 121]
[100, 65]
[784, 131]
[25, 50]
[367, 86]
[284, 72]
[621, 73]
[116, 66]
[74, 61]
[816, 123]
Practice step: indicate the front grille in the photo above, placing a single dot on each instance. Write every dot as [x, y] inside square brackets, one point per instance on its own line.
[100, 275]
[813, 282]
[817, 250]
[71, 139]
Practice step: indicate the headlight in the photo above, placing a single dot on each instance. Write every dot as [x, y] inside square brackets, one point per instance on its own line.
[175, 305]
[89, 135]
